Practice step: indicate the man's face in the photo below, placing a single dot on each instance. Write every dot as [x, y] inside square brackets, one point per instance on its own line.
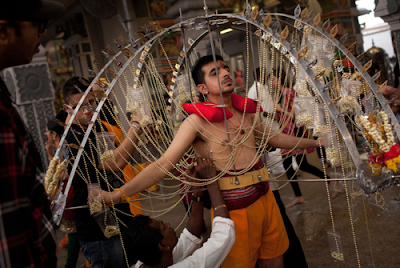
[211, 81]
[170, 239]
[85, 113]
[24, 44]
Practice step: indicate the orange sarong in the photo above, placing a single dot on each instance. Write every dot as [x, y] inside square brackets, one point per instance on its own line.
[260, 233]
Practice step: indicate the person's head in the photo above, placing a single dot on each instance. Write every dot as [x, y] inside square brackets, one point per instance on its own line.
[278, 78]
[205, 78]
[258, 74]
[53, 130]
[22, 24]
[73, 91]
[148, 239]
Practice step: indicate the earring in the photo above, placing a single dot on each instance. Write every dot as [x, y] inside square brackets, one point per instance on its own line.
[168, 248]
[206, 92]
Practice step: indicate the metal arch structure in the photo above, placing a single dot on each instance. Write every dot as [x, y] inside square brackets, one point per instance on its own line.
[226, 20]
[368, 183]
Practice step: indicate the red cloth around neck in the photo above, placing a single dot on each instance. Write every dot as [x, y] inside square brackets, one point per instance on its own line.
[212, 113]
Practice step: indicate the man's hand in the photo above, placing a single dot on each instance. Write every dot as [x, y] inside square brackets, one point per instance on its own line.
[393, 95]
[204, 168]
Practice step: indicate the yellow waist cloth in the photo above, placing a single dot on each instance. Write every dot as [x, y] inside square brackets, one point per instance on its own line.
[247, 179]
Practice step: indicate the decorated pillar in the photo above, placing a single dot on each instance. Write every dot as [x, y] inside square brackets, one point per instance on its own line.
[32, 93]
[388, 10]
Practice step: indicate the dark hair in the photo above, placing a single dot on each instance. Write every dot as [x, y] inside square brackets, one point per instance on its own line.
[283, 75]
[62, 116]
[197, 70]
[258, 73]
[53, 126]
[70, 88]
[143, 240]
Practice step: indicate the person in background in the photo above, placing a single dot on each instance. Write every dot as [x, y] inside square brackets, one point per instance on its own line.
[70, 242]
[290, 128]
[155, 243]
[99, 250]
[26, 231]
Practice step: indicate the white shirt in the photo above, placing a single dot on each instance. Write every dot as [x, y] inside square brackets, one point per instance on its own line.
[211, 254]
[266, 101]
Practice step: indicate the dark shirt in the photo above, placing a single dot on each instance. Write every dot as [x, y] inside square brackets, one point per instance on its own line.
[86, 225]
[26, 228]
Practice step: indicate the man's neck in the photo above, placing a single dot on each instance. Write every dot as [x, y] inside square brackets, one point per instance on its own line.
[227, 100]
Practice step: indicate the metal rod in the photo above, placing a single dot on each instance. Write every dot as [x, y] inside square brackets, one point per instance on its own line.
[315, 180]
[128, 19]
[186, 57]
[193, 191]
[145, 198]
[220, 92]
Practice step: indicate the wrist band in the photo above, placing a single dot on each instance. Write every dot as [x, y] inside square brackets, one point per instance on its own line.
[220, 206]
[124, 197]
[197, 198]
[138, 128]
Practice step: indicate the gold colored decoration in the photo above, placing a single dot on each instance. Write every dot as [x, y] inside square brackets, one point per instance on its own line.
[284, 34]
[297, 24]
[267, 21]
[317, 20]
[110, 51]
[335, 100]
[333, 32]
[143, 39]
[321, 73]
[110, 231]
[99, 95]
[127, 52]
[352, 48]
[111, 73]
[155, 25]
[254, 14]
[95, 206]
[258, 32]
[84, 82]
[304, 13]
[384, 84]
[302, 52]
[72, 145]
[98, 65]
[307, 29]
[122, 40]
[367, 66]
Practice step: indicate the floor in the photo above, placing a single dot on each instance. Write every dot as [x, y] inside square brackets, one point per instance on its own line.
[372, 239]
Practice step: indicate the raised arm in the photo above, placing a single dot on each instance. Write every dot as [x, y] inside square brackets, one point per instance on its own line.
[156, 171]
[124, 150]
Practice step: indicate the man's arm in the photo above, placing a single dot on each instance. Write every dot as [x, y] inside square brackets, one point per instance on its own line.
[203, 170]
[281, 140]
[156, 171]
[392, 93]
[123, 152]
[222, 237]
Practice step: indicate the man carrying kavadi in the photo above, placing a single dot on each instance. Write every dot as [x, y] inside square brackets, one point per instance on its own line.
[260, 233]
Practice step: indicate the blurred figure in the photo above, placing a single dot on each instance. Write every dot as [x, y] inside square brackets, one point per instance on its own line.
[26, 231]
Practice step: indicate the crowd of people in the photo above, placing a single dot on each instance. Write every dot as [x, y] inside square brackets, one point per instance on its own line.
[250, 227]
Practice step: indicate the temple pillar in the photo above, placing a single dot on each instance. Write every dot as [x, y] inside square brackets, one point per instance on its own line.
[32, 93]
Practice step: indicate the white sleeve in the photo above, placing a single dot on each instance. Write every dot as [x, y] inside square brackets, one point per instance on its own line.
[215, 250]
[186, 245]
[252, 94]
